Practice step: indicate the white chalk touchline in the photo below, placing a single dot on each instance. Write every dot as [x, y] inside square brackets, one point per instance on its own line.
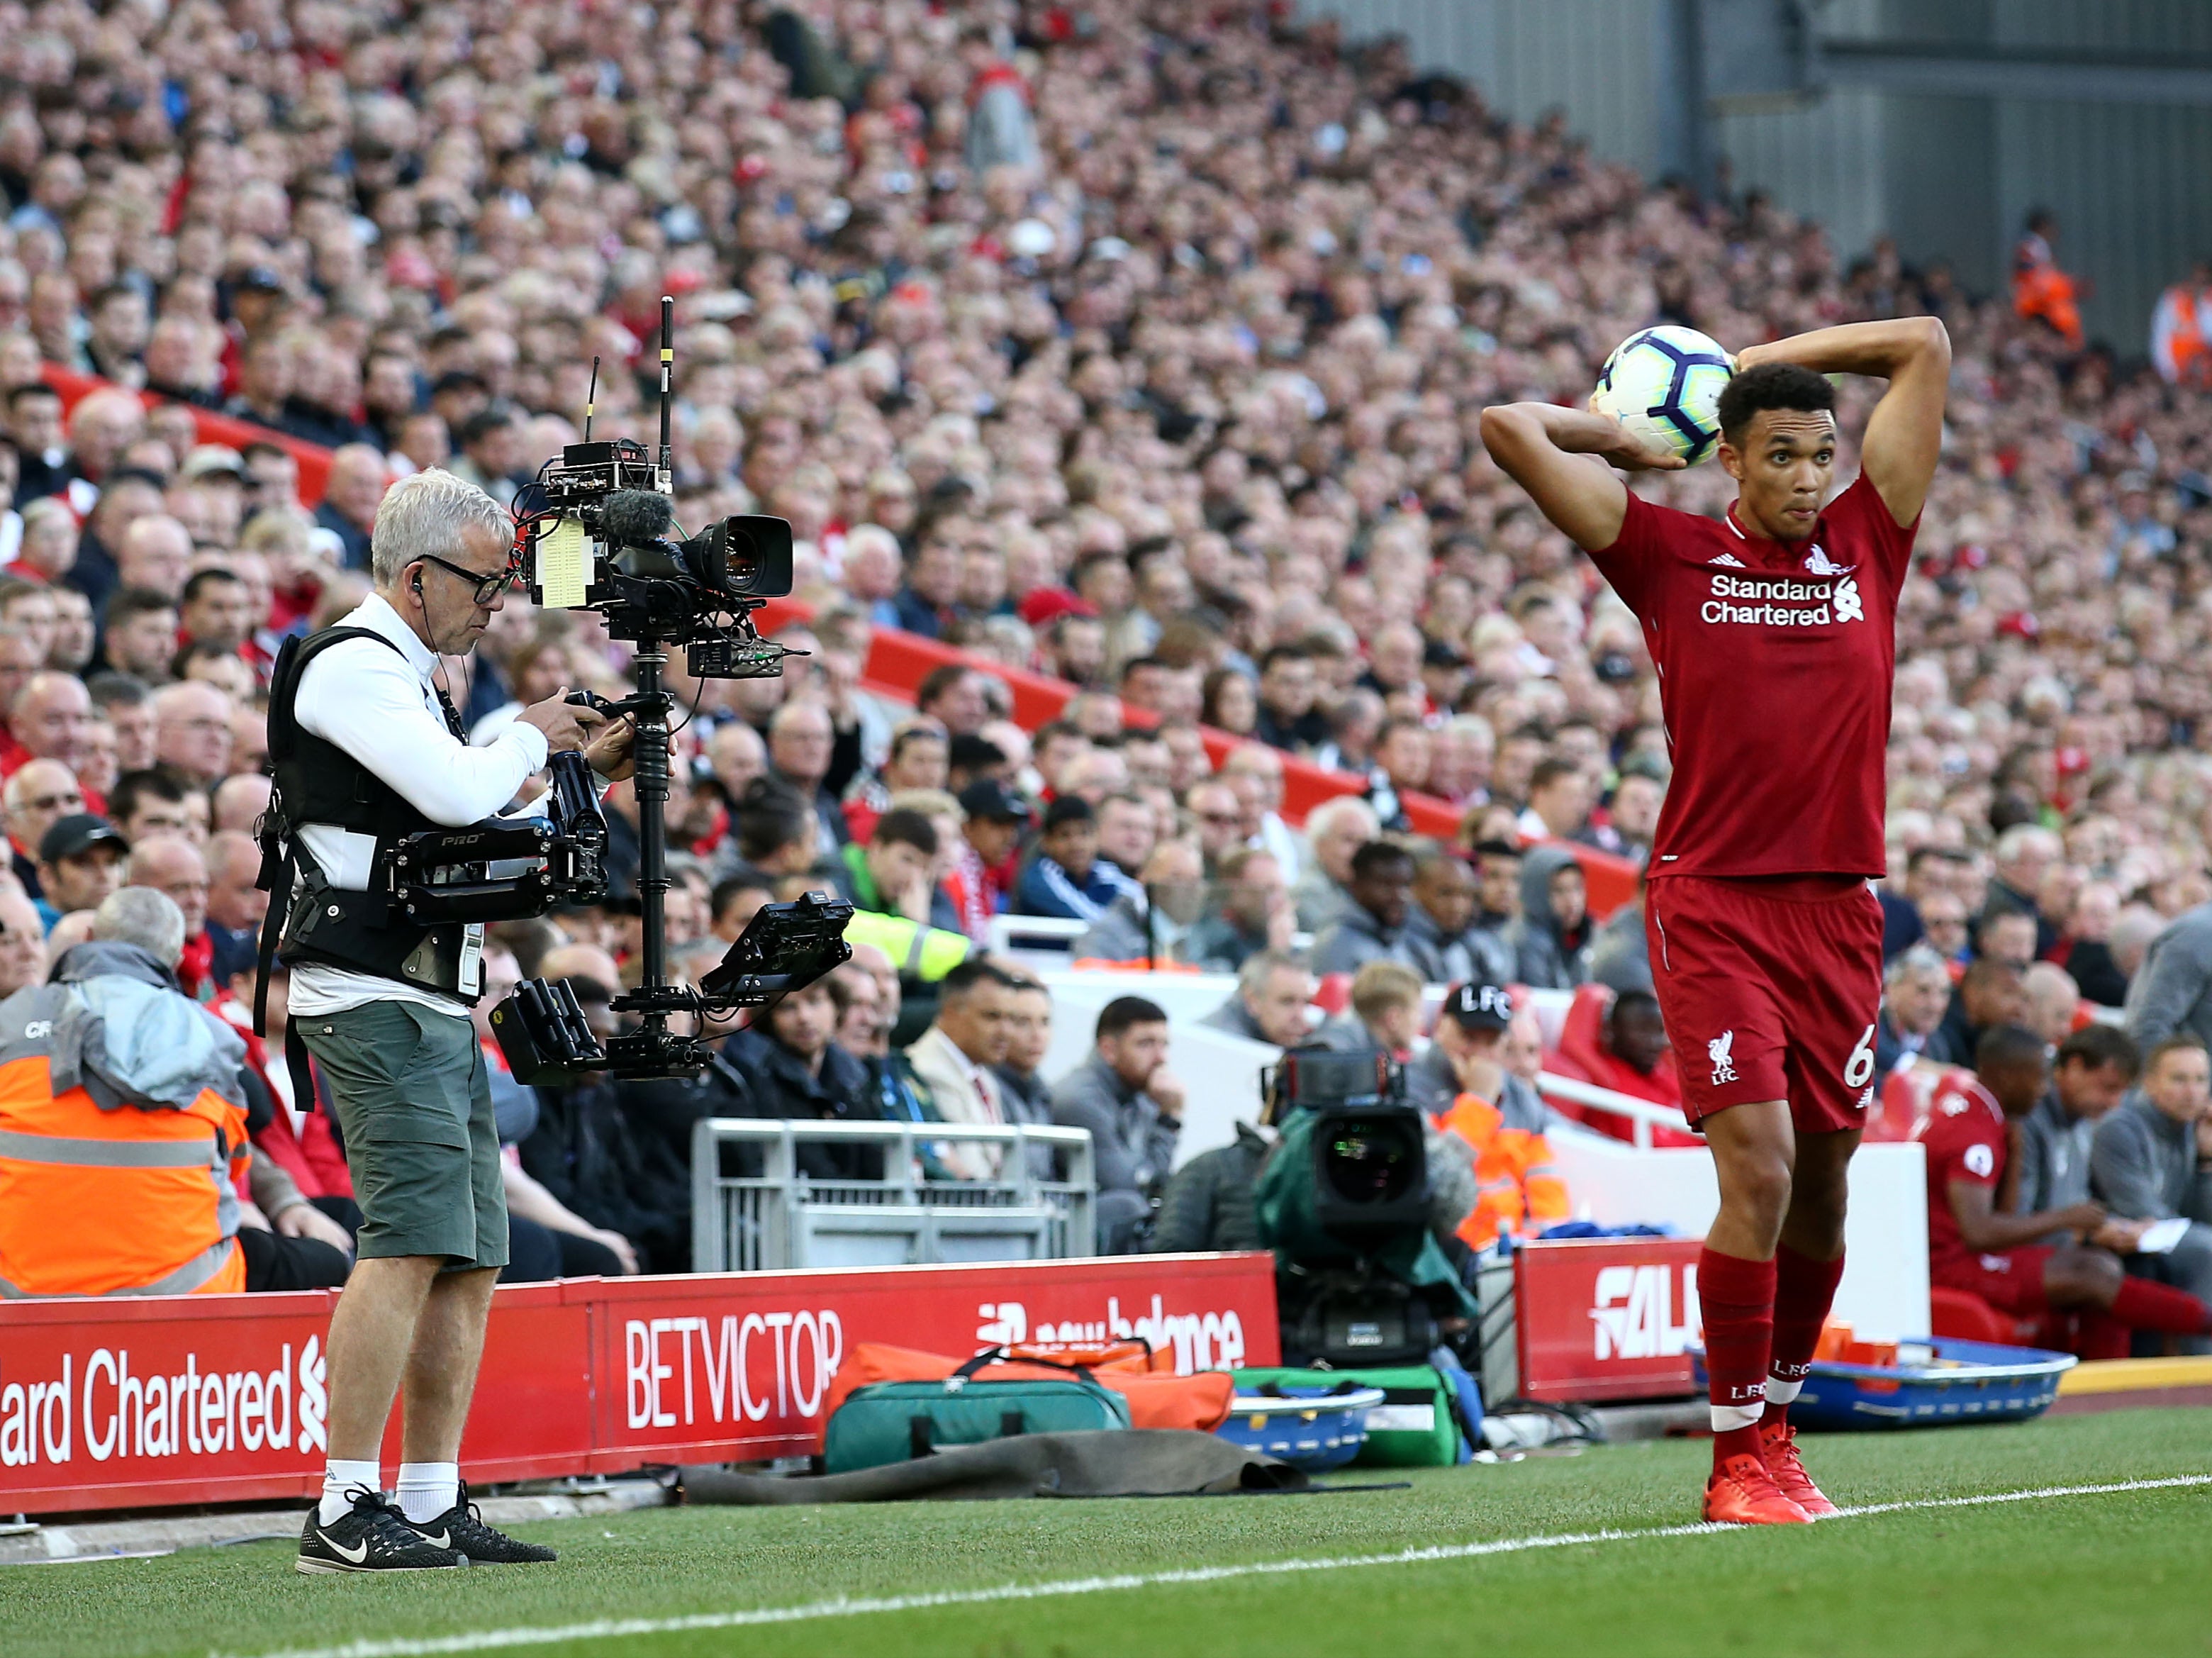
[612, 1629]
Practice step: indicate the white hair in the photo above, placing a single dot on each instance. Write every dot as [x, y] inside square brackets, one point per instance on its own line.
[424, 515]
[141, 916]
[1323, 818]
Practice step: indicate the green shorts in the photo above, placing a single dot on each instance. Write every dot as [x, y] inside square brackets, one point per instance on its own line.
[414, 1102]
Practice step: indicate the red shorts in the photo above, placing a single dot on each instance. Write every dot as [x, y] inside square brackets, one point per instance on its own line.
[1770, 990]
[2011, 1282]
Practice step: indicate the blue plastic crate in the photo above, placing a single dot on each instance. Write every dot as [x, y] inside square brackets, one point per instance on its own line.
[1936, 1382]
[1309, 1428]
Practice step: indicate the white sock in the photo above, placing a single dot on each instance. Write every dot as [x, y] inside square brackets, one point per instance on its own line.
[340, 1477]
[1779, 1391]
[426, 1490]
[1726, 1418]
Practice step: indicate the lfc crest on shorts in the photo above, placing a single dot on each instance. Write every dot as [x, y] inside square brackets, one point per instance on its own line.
[1720, 1051]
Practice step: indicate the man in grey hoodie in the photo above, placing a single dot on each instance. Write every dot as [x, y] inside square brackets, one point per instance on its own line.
[2152, 1160]
[1551, 940]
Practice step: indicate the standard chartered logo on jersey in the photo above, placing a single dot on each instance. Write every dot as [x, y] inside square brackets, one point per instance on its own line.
[1784, 602]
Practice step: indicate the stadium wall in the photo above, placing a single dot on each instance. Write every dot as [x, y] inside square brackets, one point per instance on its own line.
[1949, 177]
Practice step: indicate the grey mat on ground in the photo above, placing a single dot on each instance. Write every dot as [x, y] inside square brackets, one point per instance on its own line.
[1139, 1462]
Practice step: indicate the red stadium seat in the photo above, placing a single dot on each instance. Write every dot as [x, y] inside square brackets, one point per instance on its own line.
[1962, 1315]
[1581, 1058]
[1333, 994]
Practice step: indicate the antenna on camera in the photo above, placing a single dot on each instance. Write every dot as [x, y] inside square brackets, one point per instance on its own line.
[665, 471]
[591, 399]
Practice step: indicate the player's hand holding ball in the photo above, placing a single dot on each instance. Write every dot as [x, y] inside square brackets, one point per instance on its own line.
[1663, 385]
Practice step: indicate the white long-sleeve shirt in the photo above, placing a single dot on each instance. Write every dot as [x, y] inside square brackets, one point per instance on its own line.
[381, 707]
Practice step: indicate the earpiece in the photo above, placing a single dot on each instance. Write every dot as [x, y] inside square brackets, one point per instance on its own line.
[418, 584]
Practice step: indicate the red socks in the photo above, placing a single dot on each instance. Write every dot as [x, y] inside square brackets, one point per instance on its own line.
[1804, 1289]
[1737, 1299]
[2144, 1304]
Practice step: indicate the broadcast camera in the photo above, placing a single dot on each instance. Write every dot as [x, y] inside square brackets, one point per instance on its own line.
[596, 532]
[1344, 1201]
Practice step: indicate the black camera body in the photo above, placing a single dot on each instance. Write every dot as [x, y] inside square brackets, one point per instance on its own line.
[440, 875]
[599, 534]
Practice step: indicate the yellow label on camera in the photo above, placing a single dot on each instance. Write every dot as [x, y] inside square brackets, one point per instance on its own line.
[564, 564]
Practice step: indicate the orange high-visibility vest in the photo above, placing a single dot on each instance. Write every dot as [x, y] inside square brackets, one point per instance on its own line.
[2178, 349]
[1516, 1185]
[128, 1202]
[2040, 288]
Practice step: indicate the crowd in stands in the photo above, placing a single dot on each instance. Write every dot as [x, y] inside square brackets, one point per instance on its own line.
[1139, 344]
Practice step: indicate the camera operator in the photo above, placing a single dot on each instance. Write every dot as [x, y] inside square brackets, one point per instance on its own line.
[367, 749]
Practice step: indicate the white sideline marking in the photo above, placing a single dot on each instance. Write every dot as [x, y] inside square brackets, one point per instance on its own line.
[612, 1629]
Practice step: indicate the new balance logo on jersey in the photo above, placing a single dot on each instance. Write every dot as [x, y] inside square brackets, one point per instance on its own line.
[1728, 558]
[1866, 1100]
[1720, 1051]
[1817, 563]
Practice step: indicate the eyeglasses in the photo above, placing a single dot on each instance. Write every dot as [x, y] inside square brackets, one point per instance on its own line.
[486, 588]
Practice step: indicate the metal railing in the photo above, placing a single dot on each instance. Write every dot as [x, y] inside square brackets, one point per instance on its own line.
[1037, 1200]
[1643, 1114]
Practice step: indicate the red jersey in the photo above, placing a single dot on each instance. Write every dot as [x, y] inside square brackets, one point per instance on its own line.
[1964, 1135]
[1776, 667]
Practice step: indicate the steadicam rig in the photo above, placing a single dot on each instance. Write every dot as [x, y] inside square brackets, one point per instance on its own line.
[598, 532]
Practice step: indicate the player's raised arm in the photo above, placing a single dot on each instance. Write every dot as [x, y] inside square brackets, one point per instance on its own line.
[1906, 433]
[1564, 459]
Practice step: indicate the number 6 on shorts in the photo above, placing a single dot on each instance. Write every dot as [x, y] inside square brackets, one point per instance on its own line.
[1858, 1070]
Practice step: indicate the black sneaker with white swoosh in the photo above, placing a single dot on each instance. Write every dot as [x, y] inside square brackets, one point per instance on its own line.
[371, 1536]
[462, 1529]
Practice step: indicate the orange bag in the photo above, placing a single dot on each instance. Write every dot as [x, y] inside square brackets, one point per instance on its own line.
[1157, 1397]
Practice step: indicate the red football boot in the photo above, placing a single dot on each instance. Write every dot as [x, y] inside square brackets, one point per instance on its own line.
[1778, 1449]
[1742, 1493]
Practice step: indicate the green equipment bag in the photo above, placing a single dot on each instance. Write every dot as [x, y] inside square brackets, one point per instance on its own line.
[897, 1421]
[1414, 1427]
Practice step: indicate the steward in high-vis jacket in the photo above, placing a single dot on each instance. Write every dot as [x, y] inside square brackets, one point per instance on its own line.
[121, 1134]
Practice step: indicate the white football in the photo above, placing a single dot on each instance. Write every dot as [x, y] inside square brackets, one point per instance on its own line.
[1664, 385]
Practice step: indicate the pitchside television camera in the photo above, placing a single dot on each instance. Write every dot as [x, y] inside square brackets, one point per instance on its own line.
[1343, 1201]
[598, 531]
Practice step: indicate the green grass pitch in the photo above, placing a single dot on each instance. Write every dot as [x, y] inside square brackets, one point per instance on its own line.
[2126, 1573]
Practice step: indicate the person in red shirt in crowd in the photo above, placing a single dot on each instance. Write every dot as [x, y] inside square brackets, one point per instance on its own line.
[1774, 631]
[1974, 1245]
[1631, 1058]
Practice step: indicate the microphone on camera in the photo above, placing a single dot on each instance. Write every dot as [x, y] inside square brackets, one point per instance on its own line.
[636, 518]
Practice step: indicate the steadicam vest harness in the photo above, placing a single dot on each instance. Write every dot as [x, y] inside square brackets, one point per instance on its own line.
[318, 783]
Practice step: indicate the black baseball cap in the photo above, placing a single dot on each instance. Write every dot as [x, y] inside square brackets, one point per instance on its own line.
[78, 833]
[993, 802]
[1475, 1006]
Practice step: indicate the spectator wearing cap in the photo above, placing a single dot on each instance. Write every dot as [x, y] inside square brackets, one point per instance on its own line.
[1132, 1105]
[80, 861]
[1065, 877]
[984, 864]
[40, 795]
[1497, 1117]
[1375, 926]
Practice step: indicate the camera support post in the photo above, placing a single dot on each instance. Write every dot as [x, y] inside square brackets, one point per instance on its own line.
[597, 539]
